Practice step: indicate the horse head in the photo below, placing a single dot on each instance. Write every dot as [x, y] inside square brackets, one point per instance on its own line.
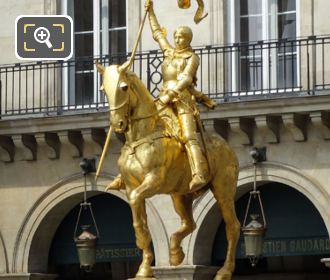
[128, 97]
[116, 86]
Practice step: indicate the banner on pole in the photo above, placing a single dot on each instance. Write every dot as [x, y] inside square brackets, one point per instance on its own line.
[199, 16]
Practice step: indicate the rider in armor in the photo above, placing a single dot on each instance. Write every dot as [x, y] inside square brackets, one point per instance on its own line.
[178, 92]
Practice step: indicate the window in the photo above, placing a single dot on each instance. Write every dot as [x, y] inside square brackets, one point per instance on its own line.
[100, 29]
[267, 58]
[117, 26]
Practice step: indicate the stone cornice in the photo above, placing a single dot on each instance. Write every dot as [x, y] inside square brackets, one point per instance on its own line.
[54, 123]
[269, 106]
[242, 123]
[242, 109]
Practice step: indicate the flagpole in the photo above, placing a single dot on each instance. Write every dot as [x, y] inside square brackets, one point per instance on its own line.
[130, 62]
[137, 40]
[104, 153]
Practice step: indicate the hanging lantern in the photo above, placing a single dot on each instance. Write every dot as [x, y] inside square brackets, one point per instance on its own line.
[254, 231]
[254, 234]
[86, 242]
[86, 246]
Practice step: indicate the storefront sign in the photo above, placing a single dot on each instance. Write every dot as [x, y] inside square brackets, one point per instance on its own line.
[292, 247]
[107, 254]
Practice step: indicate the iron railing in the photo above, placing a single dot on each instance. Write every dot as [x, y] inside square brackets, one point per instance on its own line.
[265, 69]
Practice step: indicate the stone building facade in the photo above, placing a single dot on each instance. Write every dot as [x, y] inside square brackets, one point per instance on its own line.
[284, 108]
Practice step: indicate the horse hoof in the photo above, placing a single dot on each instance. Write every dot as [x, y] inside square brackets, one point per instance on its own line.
[176, 257]
[144, 272]
[223, 276]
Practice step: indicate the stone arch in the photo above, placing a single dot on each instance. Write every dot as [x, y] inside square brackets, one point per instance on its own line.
[206, 213]
[39, 226]
[3, 256]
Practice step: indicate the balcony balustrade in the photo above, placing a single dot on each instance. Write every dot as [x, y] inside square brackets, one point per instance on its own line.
[230, 73]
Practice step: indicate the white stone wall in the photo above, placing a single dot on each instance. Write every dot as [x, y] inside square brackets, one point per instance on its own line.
[314, 17]
[9, 11]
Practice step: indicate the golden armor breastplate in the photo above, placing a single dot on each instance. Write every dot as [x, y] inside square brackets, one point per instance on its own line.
[172, 67]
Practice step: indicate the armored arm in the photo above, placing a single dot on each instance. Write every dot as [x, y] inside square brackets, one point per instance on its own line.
[186, 80]
[186, 77]
[158, 33]
[202, 98]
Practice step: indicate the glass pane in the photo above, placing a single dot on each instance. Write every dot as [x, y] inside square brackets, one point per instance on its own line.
[287, 47]
[84, 88]
[84, 64]
[286, 5]
[253, 51]
[83, 15]
[251, 77]
[83, 45]
[117, 13]
[287, 26]
[287, 71]
[250, 7]
[251, 29]
[117, 41]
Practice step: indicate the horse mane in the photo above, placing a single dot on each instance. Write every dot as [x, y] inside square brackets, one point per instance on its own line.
[140, 88]
[167, 117]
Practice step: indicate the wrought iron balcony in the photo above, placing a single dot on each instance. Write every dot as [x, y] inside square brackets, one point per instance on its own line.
[254, 70]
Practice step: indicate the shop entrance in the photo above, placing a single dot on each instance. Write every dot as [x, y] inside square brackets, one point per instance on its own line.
[117, 255]
[295, 241]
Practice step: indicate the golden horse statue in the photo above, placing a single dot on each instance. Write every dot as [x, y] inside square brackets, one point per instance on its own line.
[152, 162]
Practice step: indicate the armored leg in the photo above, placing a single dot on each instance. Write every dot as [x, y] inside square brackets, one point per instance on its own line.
[197, 160]
[198, 164]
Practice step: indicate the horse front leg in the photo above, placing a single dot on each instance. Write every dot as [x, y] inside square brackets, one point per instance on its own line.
[116, 184]
[183, 207]
[143, 238]
[148, 188]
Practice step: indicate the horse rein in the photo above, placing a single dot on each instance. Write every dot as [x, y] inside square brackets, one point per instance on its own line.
[150, 115]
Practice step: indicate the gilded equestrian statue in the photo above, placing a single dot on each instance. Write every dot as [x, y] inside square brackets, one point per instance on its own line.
[153, 163]
[157, 160]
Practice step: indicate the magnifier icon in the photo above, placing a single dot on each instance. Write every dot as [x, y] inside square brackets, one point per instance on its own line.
[41, 35]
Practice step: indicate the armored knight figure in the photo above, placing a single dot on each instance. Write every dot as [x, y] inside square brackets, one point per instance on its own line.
[178, 92]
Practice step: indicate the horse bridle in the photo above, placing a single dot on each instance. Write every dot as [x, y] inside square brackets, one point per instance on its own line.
[127, 102]
[121, 105]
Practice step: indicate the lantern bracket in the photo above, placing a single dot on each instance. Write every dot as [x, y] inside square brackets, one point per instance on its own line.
[88, 166]
[254, 231]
